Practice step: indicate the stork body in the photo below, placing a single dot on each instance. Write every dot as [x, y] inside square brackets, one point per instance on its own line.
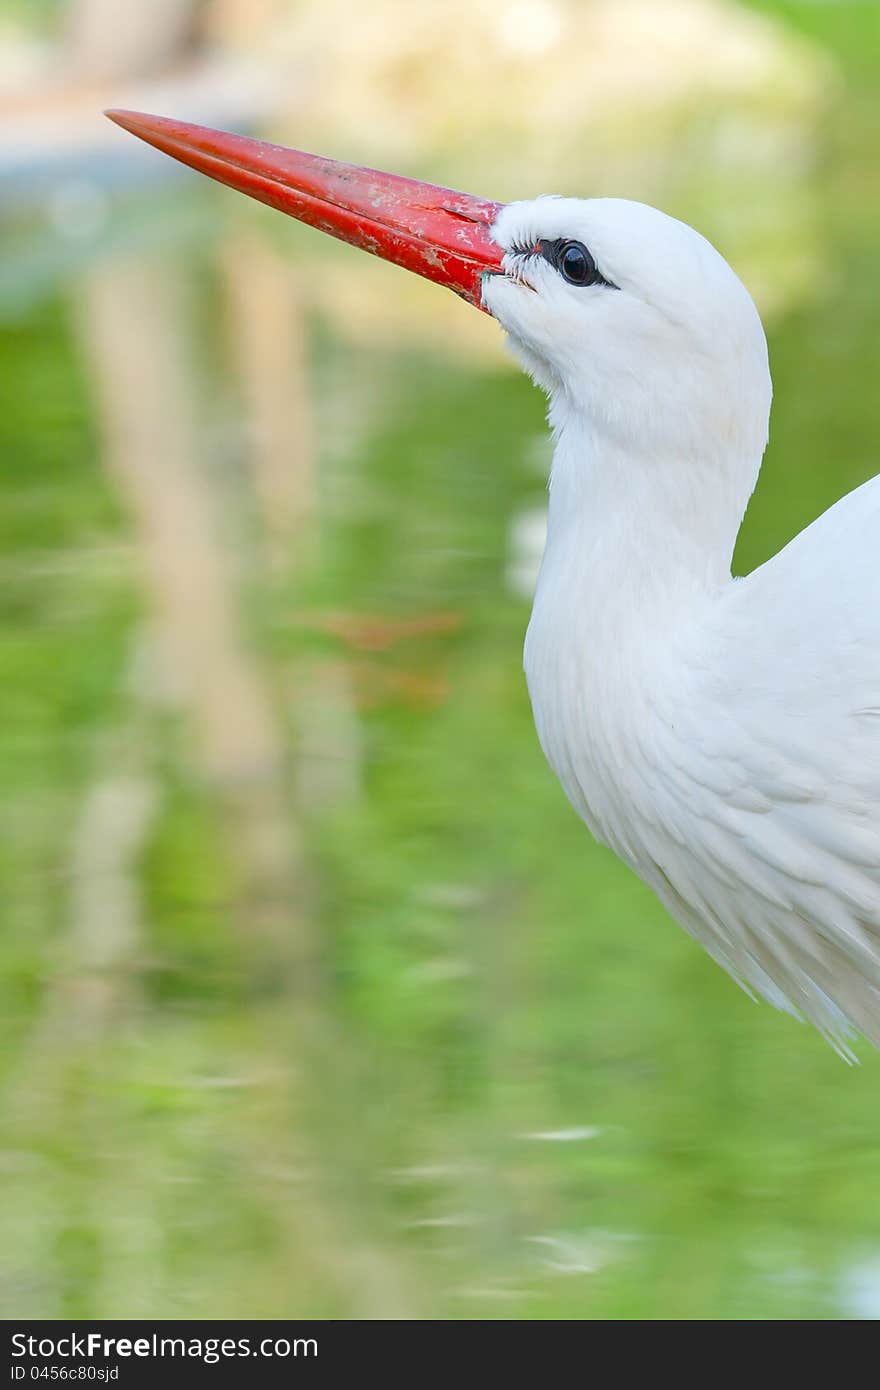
[721, 735]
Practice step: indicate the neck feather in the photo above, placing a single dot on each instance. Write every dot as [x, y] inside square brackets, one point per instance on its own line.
[643, 531]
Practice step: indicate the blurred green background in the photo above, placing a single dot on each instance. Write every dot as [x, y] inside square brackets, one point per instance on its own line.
[316, 998]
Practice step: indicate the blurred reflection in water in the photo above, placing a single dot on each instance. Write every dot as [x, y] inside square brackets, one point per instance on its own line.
[317, 999]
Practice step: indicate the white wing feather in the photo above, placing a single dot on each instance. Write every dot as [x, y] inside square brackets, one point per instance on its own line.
[763, 834]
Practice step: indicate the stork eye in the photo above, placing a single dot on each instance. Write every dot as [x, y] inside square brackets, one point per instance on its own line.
[576, 265]
[573, 261]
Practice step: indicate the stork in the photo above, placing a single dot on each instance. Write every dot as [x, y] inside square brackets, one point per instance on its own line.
[721, 735]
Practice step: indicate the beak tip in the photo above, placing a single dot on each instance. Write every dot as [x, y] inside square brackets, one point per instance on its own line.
[118, 116]
[135, 122]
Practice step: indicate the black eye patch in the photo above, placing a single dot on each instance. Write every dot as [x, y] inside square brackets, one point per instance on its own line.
[573, 261]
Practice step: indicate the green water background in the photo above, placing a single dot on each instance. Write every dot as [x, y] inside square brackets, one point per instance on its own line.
[418, 1047]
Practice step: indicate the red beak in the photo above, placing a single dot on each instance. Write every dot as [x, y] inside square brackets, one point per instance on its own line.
[435, 232]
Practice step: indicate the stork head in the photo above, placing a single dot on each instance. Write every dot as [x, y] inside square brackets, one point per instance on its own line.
[630, 320]
[633, 322]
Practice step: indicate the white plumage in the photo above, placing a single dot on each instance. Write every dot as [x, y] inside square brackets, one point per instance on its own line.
[721, 735]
